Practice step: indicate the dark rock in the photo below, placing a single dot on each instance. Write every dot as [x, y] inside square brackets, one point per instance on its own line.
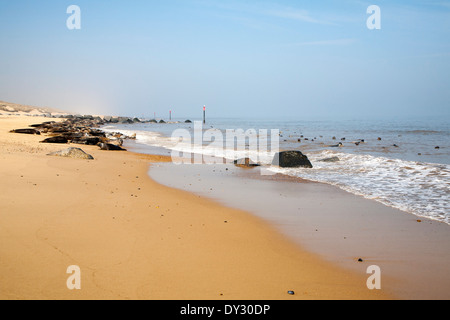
[26, 131]
[188, 121]
[136, 120]
[57, 139]
[437, 147]
[153, 121]
[291, 159]
[125, 120]
[162, 121]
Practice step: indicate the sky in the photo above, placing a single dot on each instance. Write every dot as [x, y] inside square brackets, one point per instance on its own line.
[251, 59]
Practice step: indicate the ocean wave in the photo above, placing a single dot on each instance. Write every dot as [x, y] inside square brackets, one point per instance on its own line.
[420, 188]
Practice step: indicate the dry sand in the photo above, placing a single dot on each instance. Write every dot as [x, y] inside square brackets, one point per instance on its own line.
[135, 239]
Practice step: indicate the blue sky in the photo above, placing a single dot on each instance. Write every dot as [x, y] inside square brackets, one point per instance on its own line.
[267, 59]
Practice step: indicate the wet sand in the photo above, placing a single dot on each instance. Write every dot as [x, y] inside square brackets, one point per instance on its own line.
[136, 239]
[341, 227]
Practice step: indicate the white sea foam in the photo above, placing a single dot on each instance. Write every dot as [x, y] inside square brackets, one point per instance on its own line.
[416, 187]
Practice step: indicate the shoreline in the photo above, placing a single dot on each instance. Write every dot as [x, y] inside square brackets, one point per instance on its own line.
[336, 225]
[132, 240]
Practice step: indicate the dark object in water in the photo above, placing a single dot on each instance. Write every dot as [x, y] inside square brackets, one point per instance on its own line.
[337, 145]
[291, 292]
[188, 121]
[360, 260]
[332, 159]
[437, 147]
[291, 159]
[26, 131]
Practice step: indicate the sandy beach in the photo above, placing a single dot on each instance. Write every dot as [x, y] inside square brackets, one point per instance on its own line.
[136, 239]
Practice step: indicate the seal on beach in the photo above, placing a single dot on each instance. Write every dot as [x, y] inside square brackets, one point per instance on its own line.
[76, 153]
[26, 131]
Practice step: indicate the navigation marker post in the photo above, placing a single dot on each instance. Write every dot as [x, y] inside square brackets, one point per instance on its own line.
[204, 114]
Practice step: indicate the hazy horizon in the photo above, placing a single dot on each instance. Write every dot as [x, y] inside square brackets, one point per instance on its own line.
[262, 59]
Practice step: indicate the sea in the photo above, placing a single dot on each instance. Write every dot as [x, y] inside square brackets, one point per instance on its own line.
[404, 164]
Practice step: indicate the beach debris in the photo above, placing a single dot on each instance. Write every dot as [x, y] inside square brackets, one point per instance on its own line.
[56, 139]
[379, 139]
[76, 153]
[291, 292]
[291, 159]
[246, 162]
[26, 131]
[332, 159]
